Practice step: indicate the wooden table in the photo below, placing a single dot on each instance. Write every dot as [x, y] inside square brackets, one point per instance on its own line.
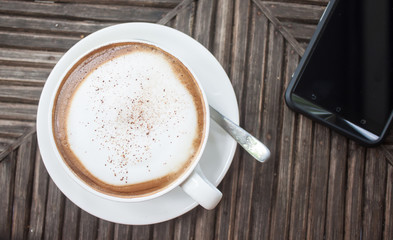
[317, 184]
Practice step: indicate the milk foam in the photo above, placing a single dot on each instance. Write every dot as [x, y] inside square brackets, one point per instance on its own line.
[132, 120]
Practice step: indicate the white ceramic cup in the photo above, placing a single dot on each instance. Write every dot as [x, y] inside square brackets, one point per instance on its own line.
[192, 181]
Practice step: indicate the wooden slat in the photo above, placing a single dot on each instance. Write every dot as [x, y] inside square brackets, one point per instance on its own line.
[10, 135]
[252, 171]
[22, 82]
[13, 131]
[300, 31]
[24, 74]
[105, 230]
[37, 41]
[335, 216]
[16, 124]
[301, 181]
[184, 226]
[297, 11]
[22, 189]
[54, 212]
[203, 22]
[184, 19]
[84, 11]
[318, 185]
[87, 226]
[388, 150]
[18, 57]
[5, 141]
[38, 202]
[240, 187]
[226, 210]
[17, 111]
[164, 229]
[7, 183]
[315, 2]
[239, 48]
[268, 91]
[237, 186]
[222, 51]
[202, 33]
[279, 226]
[374, 192]
[122, 232]
[223, 32]
[142, 232]
[157, 3]
[388, 219]
[71, 224]
[20, 94]
[69, 27]
[203, 223]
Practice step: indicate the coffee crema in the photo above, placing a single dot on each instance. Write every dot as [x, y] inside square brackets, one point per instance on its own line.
[129, 119]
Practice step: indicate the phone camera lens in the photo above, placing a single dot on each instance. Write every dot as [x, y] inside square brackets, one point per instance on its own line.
[338, 109]
[313, 96]
[363, 121]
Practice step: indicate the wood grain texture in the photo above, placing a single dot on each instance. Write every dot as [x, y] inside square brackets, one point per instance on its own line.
[84, 11]
[122, 231]
[142, 232]
[374, 193]
[269, 94]
[87, 225]
[184, 228]
[105, 230]
[71, 223]
[7, 170]
[153, 3]
[47, 25]
[317, 184]
[319, 179]
[354, 191]
[227, 209]
[204, 22]
[54, 212]
[335, 208]
[38, 202]
[301, 180]
[22, 188]
[165, 229]
[222, 44]
[22, 57]
[267, 11]
[247, 165]
[296, 11]
[279, 226]
[388, 218]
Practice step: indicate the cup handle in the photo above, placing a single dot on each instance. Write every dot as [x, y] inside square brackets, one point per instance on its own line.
[201, 190]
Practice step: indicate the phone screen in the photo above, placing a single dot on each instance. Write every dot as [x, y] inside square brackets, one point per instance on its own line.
[349, 72]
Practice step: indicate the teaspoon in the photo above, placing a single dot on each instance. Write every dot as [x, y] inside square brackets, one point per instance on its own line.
[252, 145]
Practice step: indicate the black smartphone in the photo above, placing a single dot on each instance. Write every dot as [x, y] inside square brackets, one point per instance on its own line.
[344, 79]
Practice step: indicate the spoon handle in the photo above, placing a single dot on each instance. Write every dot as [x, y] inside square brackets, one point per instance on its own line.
[252, 145]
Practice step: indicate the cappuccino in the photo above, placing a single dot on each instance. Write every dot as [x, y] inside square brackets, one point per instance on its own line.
[129, 119]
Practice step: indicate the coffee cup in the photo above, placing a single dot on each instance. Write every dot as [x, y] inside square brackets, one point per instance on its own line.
[129, 123]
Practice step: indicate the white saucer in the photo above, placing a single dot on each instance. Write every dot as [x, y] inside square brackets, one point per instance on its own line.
[219, 150]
